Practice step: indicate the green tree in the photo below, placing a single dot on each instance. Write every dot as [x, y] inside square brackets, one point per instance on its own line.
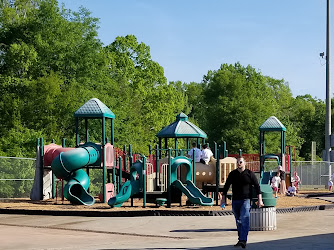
[51, 62]
[237, 101]
[195, 94]
[309, 117]
[144, 102]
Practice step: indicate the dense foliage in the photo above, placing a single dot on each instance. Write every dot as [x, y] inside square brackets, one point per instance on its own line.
[52, 62]
[235, 100]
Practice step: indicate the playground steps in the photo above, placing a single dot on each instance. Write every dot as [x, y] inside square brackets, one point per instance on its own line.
[152, 196]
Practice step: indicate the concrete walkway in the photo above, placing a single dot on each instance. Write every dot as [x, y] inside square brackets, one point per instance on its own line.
[304, 230]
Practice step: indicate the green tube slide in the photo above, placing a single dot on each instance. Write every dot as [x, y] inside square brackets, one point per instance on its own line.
[67, 165]
[130, 187]
[123, 195]
[193, 193]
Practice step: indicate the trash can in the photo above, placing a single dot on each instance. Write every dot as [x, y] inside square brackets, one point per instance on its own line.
[263, 219]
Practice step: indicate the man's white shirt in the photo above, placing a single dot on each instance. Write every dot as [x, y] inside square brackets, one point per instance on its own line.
[206, 154]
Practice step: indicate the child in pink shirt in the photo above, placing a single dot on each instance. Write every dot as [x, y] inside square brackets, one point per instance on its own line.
[275, 181]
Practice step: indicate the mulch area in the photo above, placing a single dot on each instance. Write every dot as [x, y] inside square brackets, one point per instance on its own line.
[300, 200]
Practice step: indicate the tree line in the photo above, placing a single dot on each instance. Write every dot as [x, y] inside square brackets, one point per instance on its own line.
[52, 62]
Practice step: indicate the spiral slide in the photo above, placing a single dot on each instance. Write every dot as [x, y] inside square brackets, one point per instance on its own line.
[193, 193]
[67, 165]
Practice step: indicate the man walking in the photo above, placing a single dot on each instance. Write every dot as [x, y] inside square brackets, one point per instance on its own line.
[242, 181]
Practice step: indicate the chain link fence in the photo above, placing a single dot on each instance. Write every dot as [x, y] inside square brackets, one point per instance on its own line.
[17, 175]
[313, 174]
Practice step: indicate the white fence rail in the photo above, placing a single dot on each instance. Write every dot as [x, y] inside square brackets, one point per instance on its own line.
[16, 176]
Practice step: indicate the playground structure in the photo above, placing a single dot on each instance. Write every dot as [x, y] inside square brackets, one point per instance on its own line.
[161, 177]
[167, 176]
[272, 124]
[167, 186]
[283, 158]
[67, 163]
[149, 178]
[293, 178]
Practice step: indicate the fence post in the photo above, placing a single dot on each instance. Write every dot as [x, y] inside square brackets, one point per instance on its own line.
[169, 184]
[217, 174]
[120, 168]
[157, 167]
[41, 173]
[144, 180]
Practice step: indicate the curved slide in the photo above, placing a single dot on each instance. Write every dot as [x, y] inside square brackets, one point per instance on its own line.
[193, 193]
[67, 166]
[130, 187]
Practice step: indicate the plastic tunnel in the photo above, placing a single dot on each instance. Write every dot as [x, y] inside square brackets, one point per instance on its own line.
[189, 188]
[67, 166]
[130, 187]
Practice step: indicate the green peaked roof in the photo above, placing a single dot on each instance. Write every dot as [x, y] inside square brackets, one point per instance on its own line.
[272, 124]
[94, 108]
[181, 128]
[182, 116]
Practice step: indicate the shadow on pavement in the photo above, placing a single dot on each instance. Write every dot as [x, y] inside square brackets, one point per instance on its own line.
[319, 242]
[204, 230]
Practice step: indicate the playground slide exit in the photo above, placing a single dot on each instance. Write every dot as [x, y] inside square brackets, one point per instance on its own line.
[67, 165]
[130, 187]
[193, 193]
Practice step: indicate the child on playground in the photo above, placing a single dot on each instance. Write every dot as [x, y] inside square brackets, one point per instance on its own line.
[206, 154]
[292, 190]
[275, 181]
[330, 185]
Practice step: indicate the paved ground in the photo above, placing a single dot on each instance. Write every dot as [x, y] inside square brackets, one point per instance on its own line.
[326, 197]
[304, 230]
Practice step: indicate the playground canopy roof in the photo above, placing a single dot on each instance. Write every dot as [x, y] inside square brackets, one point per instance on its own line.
[181, 128]
[272, 124]
[94, 108]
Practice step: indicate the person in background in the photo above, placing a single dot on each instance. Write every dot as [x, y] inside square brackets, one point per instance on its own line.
[206, 154]
[292, 191]
[282, 186]
[195, 150]
[275, 182]
[243, 181]
[330, 185]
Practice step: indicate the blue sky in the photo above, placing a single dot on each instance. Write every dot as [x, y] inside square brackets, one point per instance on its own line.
[280, 38]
